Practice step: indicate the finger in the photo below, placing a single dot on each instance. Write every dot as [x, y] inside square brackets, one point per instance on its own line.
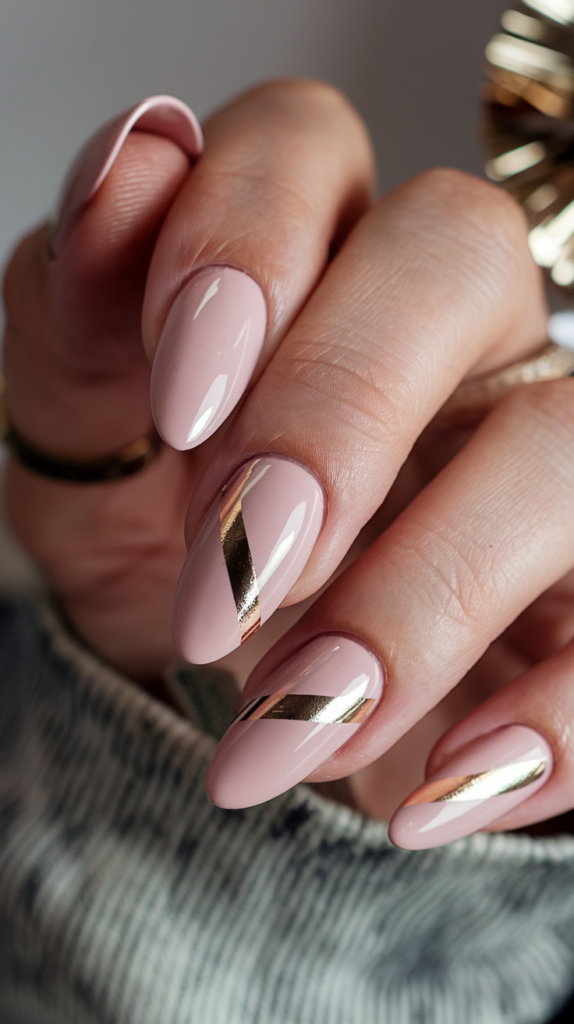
[507, 765]
[436, 280]
[161, 116]
[547, 625]
[477, 546]
[287, 169]
[75, 321]
[77, 379]
[78, 384]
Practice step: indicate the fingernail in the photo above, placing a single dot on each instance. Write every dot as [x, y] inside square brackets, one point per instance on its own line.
[485, 780]
[251, 549]
[300, 715]
[206, 354]
[160, 115]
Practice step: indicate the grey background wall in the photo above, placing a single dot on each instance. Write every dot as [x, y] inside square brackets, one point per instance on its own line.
[412, 67]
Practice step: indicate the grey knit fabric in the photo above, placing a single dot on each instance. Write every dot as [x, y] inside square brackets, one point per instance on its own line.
[126, 898]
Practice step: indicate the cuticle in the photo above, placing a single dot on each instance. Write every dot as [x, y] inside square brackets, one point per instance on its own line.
[335, 633]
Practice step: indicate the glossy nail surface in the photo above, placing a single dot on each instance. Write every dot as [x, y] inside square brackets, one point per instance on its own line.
[300, 715]
[477, 786]
[250, 551]
[206, 354]
[160, 115]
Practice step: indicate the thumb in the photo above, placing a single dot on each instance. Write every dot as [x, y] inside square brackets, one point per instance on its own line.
[74, 364]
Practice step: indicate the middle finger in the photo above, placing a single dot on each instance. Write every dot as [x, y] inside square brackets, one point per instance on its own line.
[436, 282]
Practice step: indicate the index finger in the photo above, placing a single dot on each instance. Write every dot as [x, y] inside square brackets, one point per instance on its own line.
[287, 169]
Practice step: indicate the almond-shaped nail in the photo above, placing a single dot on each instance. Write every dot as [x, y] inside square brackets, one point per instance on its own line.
[206, 355]
[300, 715]
[250, 551]
[160, 115]
[485, 780]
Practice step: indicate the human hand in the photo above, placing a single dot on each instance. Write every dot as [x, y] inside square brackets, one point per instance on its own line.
[432, 284]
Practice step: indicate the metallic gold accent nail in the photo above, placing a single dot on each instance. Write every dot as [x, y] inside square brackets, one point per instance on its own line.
[237, 556]
[481, 786]
[308, 707]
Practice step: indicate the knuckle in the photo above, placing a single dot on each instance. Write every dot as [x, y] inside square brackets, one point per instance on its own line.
[344, 385]
[290, 121]
[540, 417]
[308, 96]
[463, 194]
[455, 580]
[548, 405]
[478, 221]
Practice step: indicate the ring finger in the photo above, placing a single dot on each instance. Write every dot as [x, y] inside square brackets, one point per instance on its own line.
[489, 534]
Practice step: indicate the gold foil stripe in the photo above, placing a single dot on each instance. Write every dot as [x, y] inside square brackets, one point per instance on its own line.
[238, 558]
[481, 786]
[307, 707]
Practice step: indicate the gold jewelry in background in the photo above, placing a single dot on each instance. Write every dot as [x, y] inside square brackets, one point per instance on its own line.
[475, 397]
[529, 125]
[529, 134]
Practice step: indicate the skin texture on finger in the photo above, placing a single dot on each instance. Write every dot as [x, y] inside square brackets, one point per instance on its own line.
[78, 382]
[436, 280]
[287, 170]
[111, 554]
[475, 548]
[547, 626]
[77, 377]
[165, 116]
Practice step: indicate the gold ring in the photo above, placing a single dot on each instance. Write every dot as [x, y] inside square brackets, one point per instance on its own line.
[475, 397]
[125, 461]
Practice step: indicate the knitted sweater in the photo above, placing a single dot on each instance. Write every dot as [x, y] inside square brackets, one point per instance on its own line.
[127, 898]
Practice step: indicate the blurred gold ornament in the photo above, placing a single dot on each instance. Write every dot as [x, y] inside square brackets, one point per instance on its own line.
[529, 125]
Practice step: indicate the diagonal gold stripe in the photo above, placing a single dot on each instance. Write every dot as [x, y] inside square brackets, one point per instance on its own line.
[481, 786]
[308, 707]
[238, 558]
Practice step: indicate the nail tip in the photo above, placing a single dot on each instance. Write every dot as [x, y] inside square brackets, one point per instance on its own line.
[82, 182]
[195, 643]
[174, 439]
[226, 798]
[207, 352]
[404, 836]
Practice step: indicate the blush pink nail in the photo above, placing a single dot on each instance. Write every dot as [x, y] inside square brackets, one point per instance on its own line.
[206, 355]
[489, 777]
[281, 504]
[160, 115]
[305, 711]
